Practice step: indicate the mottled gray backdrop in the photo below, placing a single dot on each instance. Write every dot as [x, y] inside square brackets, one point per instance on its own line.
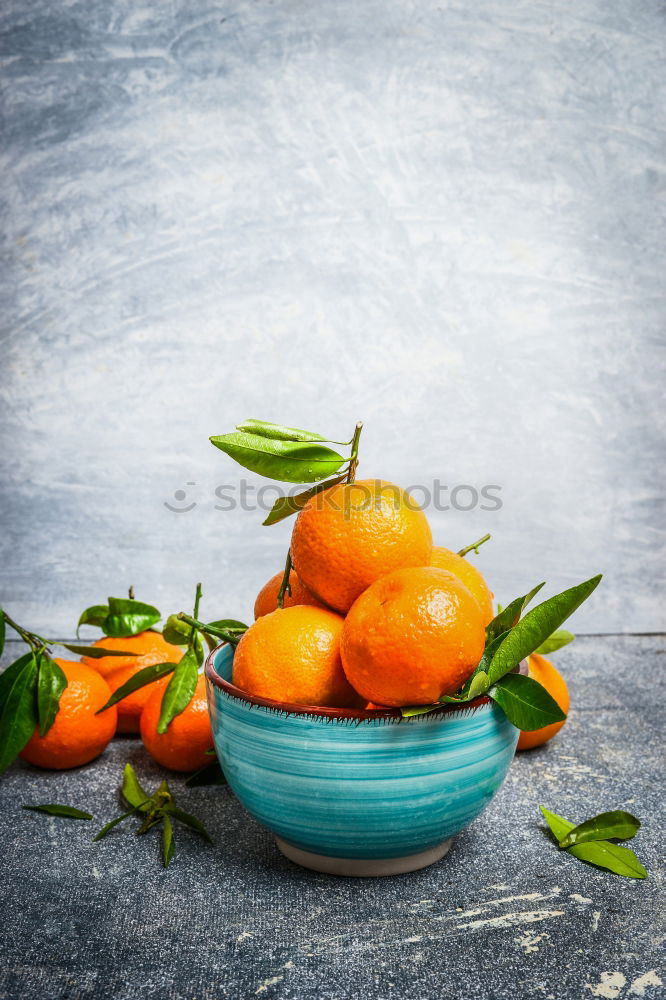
[442, 218]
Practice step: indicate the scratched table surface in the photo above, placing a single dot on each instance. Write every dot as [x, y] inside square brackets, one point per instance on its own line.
[504, 915]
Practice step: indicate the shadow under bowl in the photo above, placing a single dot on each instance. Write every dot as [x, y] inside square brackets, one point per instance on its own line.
[354, 792]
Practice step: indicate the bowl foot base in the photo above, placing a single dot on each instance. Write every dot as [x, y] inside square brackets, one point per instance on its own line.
[363, 867]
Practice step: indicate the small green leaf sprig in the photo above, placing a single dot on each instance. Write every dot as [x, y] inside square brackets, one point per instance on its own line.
[511, 638]
[120, 617]
[290, 455]
[160, 807]
[591, 841]
[31, 687]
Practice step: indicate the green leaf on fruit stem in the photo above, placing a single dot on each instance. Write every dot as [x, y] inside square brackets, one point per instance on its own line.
[525, 702]
[128, 617]
[278, 431]
[18, 717]
[603, 854]
[614, 825]
[53, 809]
[114, 822]
[482, 667]
[51, 682]
[229, 625]
[132, 791]
[9, 675]
[94, 615]
[180, 689]
[284, 461]
[188, 819]
[94, 652]
[286, 506]
[509, 616]
[167, 841]
[138, 680]
[537, 625]
[560, 637]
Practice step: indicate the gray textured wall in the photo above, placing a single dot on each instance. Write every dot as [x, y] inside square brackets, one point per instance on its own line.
[443, 218]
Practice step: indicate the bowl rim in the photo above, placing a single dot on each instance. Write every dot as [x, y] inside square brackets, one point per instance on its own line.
[361, 714]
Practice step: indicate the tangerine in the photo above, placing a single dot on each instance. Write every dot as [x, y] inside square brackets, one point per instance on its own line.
[267, 597]
[470, 576]
[411, 637]
[543, 671]
[352, 534]
[77, 735]
[293, 655]
[183, 747]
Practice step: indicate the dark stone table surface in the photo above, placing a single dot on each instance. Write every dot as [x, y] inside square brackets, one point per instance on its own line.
[504, 915]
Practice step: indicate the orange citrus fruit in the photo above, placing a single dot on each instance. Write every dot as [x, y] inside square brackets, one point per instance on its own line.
[543, 671]
[352, 534]
[411, 637]
[293, 655]
[188, 736]
[470, 576]
[77, 734]
[147, 649]
[267, 597]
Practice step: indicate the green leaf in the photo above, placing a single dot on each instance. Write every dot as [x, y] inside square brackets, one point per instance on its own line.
[229, 625]
[95, 652]
[189, 820]
[559, 826]
[18, 718]
[94, 615]
[176, 631]
[555, 641]
[138, 680]
[478, 686]
[52, 809]
[510, 615]
[128, 617]
[278, 432]
[614, 825]
[537, 626]
[209, 774]
[410, 711]
[179, 693]
[525, 702]
[603, 854]
[51, 682]
[114, 822]
[285, 461]
[10, 673]
[619, 860]
[132, 791]
[482, 667]
[167, 841]
[2, 631]
[286, 506]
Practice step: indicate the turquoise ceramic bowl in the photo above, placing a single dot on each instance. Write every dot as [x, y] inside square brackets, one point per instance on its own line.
[355, 792]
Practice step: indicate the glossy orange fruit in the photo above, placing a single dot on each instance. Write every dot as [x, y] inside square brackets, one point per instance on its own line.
[267, 597]
[293, 655]
[183, 746]
[147, 648]
[470, 576]
[352, 534]
[77, 734]
[411, 637]
[543, 671]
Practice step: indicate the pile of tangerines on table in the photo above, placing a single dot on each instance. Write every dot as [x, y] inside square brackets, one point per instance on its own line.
[367, 614]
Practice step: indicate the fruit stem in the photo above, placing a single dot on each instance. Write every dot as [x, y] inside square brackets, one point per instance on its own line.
[285, 586]
[130, 592]
[195, 614]
[221, 633]
[32, 639]
[474, 547]
[353, 461]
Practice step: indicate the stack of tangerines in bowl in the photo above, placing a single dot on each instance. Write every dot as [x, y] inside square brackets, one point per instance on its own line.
[372, 709]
